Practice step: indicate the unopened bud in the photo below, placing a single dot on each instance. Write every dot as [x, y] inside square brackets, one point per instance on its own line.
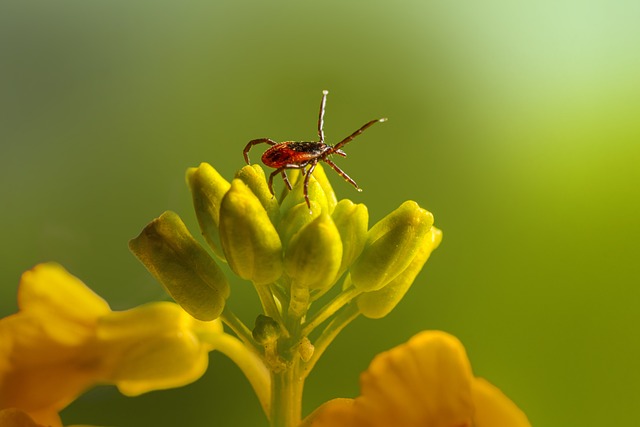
[182, 266]
[391, 245]
[296, 196]
[249, 240]
[266, 330]
[255, 179]
[352, 222]
[378, 304]
[314, 254]
[207, 189]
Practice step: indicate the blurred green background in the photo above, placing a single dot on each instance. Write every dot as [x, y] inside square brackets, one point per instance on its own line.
[515, 123]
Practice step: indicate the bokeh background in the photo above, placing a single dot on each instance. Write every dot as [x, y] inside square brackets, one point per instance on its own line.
[515, 123]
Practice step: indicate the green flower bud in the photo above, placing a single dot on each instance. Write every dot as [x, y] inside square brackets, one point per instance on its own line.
[207, 189]
[296, 196]
[255, 179]
[266, 330]
[295, 219]
[391, 246]
[378, 304]
[314, 254]
[185, 269]
[249, 240]
[352, 222]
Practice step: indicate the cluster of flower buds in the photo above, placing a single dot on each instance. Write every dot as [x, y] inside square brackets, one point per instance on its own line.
[291, 252]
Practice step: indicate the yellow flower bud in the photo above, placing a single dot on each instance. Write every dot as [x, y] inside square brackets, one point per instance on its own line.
[296, 178]
[207, 189]
[296, 196]
[295, 219]
[249, 240]
[320, 176]
[185, 269]
[378, 304]
[352, 222]
[255, 179]
[313, 257]
[391, 245]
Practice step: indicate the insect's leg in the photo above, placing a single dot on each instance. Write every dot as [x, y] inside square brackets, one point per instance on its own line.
[356, 133]
[274, 173]
[286, 180]
[342, 174]
[306, 184]
[321, 115]
[253, 142]
[281, 170]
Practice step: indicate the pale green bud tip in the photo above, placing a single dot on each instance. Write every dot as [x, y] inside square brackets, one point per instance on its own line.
[182, 266]
[313, 257]
[390, 247]
[249, 240]
[207, 189]
[378, 304]
[266, 330]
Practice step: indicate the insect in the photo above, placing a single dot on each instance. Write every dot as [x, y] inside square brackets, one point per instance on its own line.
[305, 155]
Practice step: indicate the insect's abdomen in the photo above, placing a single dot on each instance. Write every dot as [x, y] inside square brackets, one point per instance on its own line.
[287, 153]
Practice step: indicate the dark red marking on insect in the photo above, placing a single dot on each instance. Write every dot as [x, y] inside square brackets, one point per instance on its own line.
[300, 154]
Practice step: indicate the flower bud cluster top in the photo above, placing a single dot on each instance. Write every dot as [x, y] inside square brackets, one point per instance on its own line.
[293, 253]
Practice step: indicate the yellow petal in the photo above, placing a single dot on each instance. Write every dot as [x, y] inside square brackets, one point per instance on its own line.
[13, 417]
[46, 352]
[67, 307]
[65, 339]
[154, 346]
[426, 382]
[334, 413]
[494, 409]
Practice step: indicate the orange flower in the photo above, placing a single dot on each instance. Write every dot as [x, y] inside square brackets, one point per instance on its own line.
[426, 382]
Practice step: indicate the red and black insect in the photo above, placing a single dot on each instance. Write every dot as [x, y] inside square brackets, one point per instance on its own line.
[298, 155]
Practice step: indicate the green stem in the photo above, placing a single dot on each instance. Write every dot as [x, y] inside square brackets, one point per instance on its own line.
[346, 316]
[249, 363]
[269, 306]
[286, 392]
[239, 328]
[328, 310]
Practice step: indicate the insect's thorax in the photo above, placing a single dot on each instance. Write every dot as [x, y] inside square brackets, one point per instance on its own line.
[292, 152]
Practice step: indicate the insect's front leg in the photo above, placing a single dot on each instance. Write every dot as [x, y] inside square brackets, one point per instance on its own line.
[281, 170]
[253, 142]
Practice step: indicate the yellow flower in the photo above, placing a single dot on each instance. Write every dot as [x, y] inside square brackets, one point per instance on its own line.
[426, 382]
[65, 339]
